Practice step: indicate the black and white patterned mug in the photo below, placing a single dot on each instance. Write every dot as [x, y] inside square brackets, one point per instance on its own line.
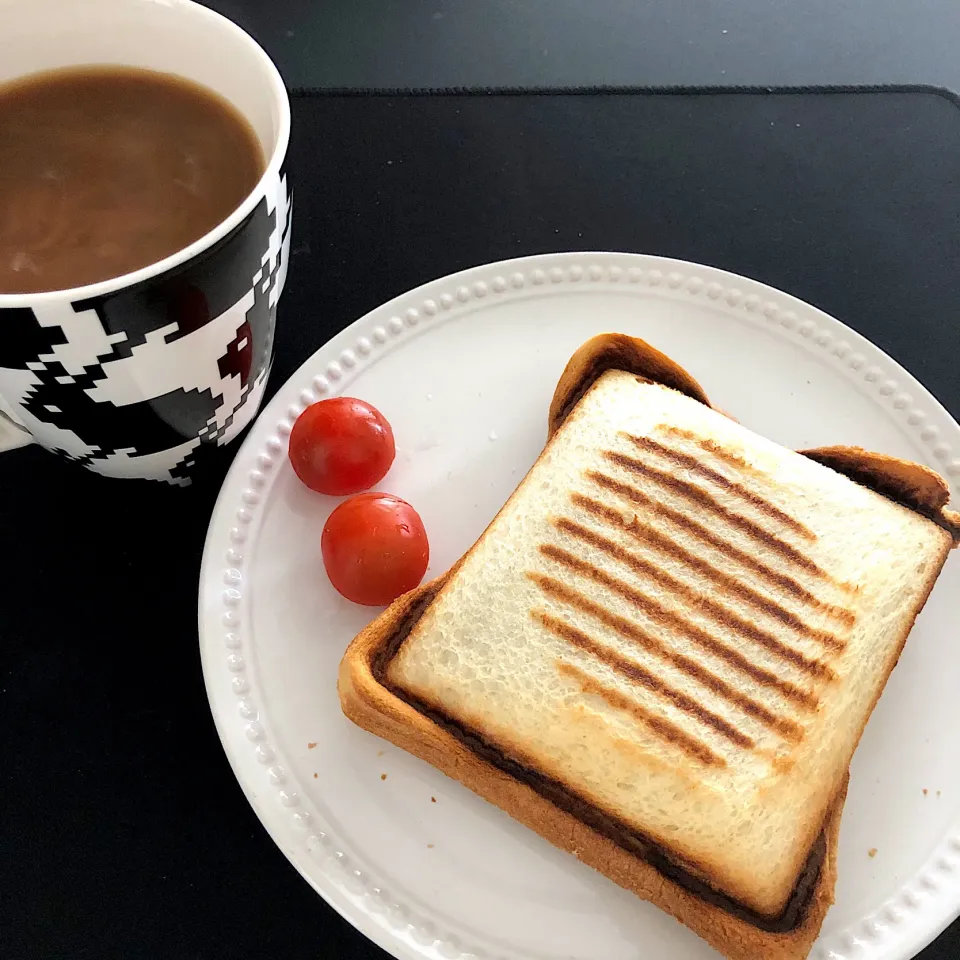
[139, 376]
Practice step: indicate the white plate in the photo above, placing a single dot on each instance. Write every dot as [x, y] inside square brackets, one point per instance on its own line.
[464, 368]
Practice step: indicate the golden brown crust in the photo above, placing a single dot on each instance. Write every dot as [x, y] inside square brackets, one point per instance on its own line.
[616, 351]
[372, 706]
[908, 483]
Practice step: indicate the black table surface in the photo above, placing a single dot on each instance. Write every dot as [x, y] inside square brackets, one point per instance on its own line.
[573, 43]
[124, 832]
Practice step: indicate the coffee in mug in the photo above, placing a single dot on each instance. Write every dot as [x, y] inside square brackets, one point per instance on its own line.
[107, 169]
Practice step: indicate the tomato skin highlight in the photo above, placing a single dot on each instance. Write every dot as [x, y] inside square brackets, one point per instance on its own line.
[341, 446]
[374, 548]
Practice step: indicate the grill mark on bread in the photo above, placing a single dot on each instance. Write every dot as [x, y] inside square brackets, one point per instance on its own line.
[663, 728]
[687, 462]
[727, 456]
[634, 672]
[717, 611]
[630, 631]
[650, 537]
[701, 499]
[668, 618]
[710, 446]
[782, 580]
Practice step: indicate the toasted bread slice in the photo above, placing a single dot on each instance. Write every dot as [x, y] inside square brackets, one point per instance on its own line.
[663, 651]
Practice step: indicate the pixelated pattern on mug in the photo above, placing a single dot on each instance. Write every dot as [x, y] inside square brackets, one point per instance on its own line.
[134, 383]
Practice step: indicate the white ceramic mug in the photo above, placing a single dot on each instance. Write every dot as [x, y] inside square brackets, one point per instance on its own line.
[138, 376]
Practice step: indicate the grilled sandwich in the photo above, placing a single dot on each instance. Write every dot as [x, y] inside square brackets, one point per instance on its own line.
[663, 651]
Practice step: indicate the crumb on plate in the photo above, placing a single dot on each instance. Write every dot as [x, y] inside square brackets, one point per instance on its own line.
[872, 852]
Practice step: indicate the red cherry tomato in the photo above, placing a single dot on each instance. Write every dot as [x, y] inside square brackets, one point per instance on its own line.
[374, 548]
[341, 446]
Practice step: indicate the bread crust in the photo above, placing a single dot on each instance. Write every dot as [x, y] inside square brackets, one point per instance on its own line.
[368, 701]
[908, 483]
[616, 351]
[371, 705]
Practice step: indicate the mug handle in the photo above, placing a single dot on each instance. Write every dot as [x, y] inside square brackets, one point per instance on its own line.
[13, 434]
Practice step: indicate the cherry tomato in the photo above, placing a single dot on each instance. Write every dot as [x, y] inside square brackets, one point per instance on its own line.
[341, 446]
[374, 548]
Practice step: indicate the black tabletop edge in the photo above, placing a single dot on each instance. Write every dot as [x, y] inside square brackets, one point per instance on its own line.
[550, 91]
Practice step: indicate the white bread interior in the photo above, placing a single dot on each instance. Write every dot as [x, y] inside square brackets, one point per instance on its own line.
[739, 798]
